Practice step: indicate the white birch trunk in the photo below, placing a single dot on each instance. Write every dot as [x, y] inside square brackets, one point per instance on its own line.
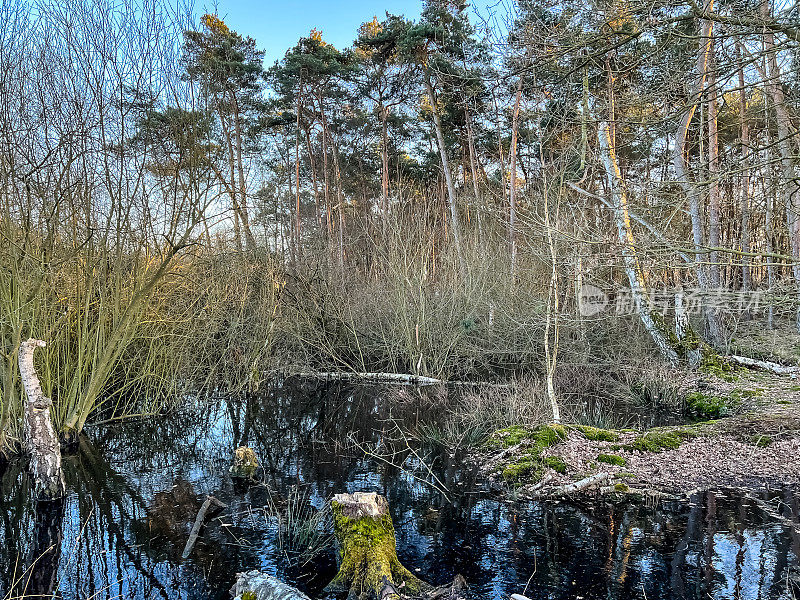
[619, 206]
[40, 438]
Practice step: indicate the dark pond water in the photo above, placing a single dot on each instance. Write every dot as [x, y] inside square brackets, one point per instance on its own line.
[135, 489]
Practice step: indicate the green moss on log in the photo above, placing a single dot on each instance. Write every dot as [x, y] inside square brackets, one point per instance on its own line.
[527, 467]
[761, 441]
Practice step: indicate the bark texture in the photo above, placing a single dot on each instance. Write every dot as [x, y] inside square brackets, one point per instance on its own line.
[368, 565]
[254, 585]
[40, 437]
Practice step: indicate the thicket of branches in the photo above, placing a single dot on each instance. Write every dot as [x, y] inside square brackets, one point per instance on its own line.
[434, 199]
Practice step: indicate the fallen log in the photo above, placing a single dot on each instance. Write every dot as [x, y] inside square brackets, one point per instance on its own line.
[399, 378]
[368, 565]
[40, 438]
[255, 585]
[405, 378]
[198, 523]
[763, 365]
[583, 484]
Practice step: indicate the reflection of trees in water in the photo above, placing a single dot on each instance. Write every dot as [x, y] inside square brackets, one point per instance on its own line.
[718, 545]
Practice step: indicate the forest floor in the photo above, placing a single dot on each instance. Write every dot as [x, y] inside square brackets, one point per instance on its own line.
[745, 433]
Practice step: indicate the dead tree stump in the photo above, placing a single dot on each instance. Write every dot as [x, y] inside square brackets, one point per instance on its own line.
[368, 563]
[40, 438]
[245, 464]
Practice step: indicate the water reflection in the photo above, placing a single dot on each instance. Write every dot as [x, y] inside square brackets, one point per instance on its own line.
[135, 489]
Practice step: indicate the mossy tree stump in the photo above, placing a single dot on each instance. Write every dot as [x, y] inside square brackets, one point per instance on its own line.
[368, 563]
[245, 464]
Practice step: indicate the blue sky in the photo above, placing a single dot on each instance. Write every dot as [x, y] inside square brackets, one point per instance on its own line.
[278, 24]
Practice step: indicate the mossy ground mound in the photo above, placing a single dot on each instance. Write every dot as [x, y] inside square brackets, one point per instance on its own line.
[595, 434]
[531, 464]
[612, 459]
[659, 440]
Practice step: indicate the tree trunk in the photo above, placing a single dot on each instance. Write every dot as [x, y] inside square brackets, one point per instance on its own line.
[368, 565]
[231, 185]
[714, 226]
[237, 124]
[626, 239]
[552, 321]
[690, 188]
[512, 209]
[255, 585]
[473, 165]
[339, 205]
[40, 437]
[455, 221]
[298, 222]
[384, 163]
[790, 186]
[744, 233]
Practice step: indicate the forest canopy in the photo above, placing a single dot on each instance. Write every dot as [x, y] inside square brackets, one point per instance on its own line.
[460, 196]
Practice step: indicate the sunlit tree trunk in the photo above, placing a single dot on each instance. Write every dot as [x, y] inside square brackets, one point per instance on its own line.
[789, 184]
[552, 317]
[512, 209]
[689, 187]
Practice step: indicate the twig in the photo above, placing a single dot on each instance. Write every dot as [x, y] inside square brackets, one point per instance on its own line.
[198, 523]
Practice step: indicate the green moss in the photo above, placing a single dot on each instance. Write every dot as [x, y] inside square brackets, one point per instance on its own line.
[510, 436]
[713, 364]
[659, 440]
[784, 402]
[795, 388]
[612, 459]
[531, 465]
[761, 441]
[527, 467]
[596, 435]
[702, 406]
[248, 595]
[621, 487]
[367, 555]
[557, 464]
